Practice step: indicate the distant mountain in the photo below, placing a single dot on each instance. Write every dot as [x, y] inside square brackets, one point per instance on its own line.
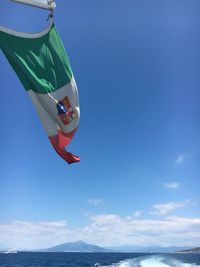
[78, 246]
[192, 250]
[155, 249]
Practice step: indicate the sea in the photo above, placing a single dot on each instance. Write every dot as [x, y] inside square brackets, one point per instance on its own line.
[49, 259]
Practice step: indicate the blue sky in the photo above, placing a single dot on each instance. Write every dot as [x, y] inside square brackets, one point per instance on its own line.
[136, 64]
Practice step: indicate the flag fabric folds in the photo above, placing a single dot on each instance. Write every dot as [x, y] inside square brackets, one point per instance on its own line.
[42, 65]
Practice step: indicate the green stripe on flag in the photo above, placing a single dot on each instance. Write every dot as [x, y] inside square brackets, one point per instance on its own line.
[41, 63]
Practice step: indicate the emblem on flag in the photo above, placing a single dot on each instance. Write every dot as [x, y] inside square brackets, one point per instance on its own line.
[65, 111]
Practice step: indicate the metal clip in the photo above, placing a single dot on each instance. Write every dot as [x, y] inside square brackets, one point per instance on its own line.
[50, 15]
[50, 2]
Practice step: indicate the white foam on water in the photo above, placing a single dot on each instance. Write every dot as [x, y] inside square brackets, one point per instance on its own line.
[125, 263]
[177, 263]
[155, 261]
[164, 261]
[152, 261]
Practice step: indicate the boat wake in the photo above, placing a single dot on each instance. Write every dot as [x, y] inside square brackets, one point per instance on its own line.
[153, 261]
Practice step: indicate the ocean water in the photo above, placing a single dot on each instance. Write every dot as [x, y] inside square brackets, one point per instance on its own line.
[98, 260]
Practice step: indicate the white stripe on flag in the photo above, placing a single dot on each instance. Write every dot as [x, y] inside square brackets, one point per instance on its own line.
[46, 106]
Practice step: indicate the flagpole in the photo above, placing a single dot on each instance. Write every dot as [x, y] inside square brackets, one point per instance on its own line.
[50, 5]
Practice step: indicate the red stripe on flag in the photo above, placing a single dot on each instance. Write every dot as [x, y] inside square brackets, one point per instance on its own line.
[59, 142]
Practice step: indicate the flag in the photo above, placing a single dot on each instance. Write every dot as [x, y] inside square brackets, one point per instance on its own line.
[42, 65]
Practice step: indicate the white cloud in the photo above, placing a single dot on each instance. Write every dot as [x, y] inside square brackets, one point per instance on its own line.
[172, 185]
[180, 159]
[104, 230]
[164, 208]
[138, 213]
[95, 201]
[110, 229]
[31, 235]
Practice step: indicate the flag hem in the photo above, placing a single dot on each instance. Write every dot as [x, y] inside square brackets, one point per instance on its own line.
[28, 35]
